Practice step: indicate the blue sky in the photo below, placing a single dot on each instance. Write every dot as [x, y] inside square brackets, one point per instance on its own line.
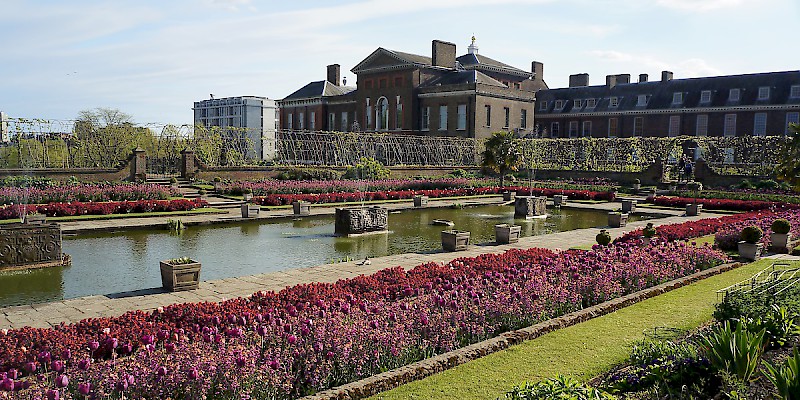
[153, 59]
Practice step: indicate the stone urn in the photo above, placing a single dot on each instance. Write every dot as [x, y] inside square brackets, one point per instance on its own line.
[506, 233]
[629, 206]
[454, 240]
[560, 200]
[420, 201]
[694, 209]
[750, 251]
[247, 196]
[301, 208]
[180, 274]
[781, 242]
[353, 221]
[250, 210]
[508, 196]
[617, 219]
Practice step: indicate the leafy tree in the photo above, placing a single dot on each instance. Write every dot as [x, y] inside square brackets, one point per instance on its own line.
[105, 136]
[502, 154]
[788, 169]
[367, 168]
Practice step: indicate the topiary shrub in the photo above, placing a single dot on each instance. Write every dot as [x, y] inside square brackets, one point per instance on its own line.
[173, 180]
[767, 184]
[637, 181]
[751, 234]
[367, 168]
[603, 238]
[202, 192]
[217, 179]
[649, 231]
[781, 226]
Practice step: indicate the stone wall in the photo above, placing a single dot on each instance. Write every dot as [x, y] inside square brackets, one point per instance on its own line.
[23, 245]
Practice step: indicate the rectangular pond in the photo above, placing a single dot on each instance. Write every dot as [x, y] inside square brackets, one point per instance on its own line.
[129, 260]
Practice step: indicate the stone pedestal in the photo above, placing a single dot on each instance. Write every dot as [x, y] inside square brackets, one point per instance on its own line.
[560, 200]
[301, 208]
[508, 196]
[454, 240]
[629, 206]
[177, 277]
[250, 210]
[420, 201]
[188, 167]
[32, 245]
[505, 233]
[139, 165]
[750, 251]
[781, 242]
[693, 209]
[361, 220]
[617, 220]
[530, 207]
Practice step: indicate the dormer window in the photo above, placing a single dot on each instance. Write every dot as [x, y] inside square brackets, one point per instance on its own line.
[613, 102]
[591, 103]
[543, 105]
[795, 92]
[705, 97]
[763, 93]
[559, 105]
[576, 103]
[677, 98]
[734, 94]
[642, 100]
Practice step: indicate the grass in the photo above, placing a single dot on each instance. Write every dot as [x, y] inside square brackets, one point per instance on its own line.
[129, 215]
[582, 351]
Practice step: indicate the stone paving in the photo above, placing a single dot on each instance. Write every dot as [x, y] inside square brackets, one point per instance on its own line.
[73, 310]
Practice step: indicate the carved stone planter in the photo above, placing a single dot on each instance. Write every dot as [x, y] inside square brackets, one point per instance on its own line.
[781, 242]
[250, 210]
[454, 240]
[560, 200]
[247, 196]
[361, 220]
[420, 201]
[530, 207]
[177, 277]
[508, 196]
[617, 220]
[505, 233]
[301, 208]
[693, 210]
[629, 206]
[750, 251]
[32, 245]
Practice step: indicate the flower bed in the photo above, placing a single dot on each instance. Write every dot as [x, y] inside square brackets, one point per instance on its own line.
[693, 229]
[719, 204]
[85, 192]
[341, 197]
[782, 196]
[315, 336]
[728, 236]
[103, 208]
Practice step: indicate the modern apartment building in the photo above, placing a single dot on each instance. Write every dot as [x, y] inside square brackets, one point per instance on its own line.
[736, 105]
[252, 119]
[441, 95]
[5, 136]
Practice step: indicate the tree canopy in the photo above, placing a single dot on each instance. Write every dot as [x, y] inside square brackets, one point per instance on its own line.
[502, 154]
[788, 169]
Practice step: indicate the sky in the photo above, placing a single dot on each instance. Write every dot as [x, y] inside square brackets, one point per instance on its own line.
[153, 59]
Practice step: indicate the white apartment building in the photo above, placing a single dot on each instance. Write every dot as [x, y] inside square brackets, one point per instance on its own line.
[257, 115]
[5, 137]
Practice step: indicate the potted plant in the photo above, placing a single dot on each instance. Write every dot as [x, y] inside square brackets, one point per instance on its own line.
[559, 199]
[508, 195]
[617, 219]
[455, 240]
[247, 194]
[648, 233]
[507, 233]
[637, 184]
[217, 183]
[750, 246]
[250, 210]
[603, 238]
[420, 200]
[300, 207]
[781, 236]
[629, 206]
[173, 182]
[180, 274]
[694, 209]
[202, 193]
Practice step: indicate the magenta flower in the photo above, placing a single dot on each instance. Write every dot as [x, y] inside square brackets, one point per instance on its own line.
[53, 394]
[62, 381]
[85, 388]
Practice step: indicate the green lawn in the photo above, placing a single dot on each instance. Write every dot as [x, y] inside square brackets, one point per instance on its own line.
[584, 350]
[129, 215]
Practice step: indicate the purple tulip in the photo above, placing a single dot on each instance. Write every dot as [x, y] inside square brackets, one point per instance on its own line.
[30, 367]
[53, 394]
[240, 361]
[66, 354]
[148, 339]
[162, 334]
[273, 364]
[85, 388]
[83, 365]
[113, 343]
[169, 347]
[292, 339]
[62, 381]
[262, 330]
[127, 348]
[57, 365]
[193, 374]
[7, 384]
[122, 385]
[161, 371]
[44, 357]
[94, 345]
[13, 373]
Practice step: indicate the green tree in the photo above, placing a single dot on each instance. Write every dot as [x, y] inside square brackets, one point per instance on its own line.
[788, 169]
[105, 136]
[502, 154]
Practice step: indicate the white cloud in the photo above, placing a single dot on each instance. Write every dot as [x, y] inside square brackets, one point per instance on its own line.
[701, 5]
[688, 68]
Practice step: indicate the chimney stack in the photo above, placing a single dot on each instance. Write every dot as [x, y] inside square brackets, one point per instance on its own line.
[643, 78]
[444, 54]
[623, 78]
[611, 81]
[579, 80]
[666, 76]
[334, 73]
[538, 70]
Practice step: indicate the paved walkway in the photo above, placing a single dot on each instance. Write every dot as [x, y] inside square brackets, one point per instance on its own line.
[73, 310]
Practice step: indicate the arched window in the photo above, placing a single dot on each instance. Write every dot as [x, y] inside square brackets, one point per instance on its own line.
[382, 114]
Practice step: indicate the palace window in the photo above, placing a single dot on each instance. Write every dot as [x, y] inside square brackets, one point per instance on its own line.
[642, 100]
[302, 121]
[613, 102]
[591, 103]
[613, 127]
[543, 105]
[677, 98]
[730, 125]
[702, 125]
[559, 105]
[382, 115]
[638, 126]
[705, 97]
[331, 122]
[573, 129]
[576, 104]
[398, 113]
[523, 119]
[734, 94]
[289, 121]
[442, 118]
[312, 123]
[760, 124]
[763, 93]
[488, 115]
[345, 127]
[794, 92]
[674, 125]
[508, 117]
[462, 117]
[587, 128]
[555, 129]
[426, 115]
[792, 118]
